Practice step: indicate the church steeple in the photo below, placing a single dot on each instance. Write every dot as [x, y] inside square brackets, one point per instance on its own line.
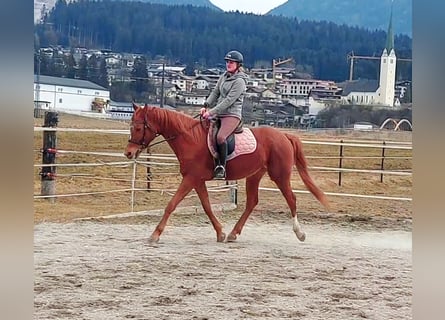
[390, 34]
[388, 60]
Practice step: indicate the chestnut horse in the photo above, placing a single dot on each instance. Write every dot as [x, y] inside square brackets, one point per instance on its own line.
[276, 153]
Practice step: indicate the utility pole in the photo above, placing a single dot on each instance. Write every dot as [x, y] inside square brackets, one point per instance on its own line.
[37, 96]
[161, 104]
[37, 109]
[276, 63]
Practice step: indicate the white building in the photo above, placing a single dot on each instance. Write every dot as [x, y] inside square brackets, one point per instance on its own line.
[205, 82]
[67, 94]
[197, 97]
[297, 88]
[184, 83]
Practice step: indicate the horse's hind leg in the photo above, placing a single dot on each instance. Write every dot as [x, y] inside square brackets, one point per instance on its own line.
[284, 185]
[203, 195]
[252, 184]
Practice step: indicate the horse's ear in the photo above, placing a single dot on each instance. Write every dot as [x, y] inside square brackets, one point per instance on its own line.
[135, 106]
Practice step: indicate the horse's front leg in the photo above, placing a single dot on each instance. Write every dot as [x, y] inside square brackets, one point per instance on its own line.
[184, 188]
[203, 195]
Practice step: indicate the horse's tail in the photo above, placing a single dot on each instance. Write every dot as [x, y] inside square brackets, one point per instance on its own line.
[301, 164]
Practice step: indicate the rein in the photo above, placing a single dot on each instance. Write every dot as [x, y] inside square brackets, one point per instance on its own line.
[143, 145]
[163, 140]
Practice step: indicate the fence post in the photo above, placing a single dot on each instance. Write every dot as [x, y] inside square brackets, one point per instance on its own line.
[133, 184]
[340, 162]
[48, 173]
[148, 170]
[233, 191]
[382, 162]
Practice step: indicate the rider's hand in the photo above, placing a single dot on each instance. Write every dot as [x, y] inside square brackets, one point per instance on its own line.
[206, 115]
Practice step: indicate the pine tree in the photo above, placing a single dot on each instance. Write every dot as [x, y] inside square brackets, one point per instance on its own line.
[93, 69]
[103, 74]
[70, 66]
[82, 70]
[140, 75]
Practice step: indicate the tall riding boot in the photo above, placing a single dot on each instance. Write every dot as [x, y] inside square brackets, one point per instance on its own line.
[220, 170]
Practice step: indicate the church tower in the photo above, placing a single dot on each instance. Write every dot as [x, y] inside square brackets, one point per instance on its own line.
[388, 61]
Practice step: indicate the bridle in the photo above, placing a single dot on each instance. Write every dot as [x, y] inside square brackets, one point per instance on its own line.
[142, 143]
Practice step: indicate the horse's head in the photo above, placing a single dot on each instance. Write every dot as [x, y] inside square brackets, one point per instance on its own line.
[141, 132]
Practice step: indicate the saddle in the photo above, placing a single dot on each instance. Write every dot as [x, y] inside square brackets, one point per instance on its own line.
[241, 141]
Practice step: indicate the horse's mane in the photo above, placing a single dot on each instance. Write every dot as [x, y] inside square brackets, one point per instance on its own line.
[174, 118]
[180, 121]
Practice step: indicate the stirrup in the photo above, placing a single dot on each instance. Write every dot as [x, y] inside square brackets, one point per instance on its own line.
[219, 172]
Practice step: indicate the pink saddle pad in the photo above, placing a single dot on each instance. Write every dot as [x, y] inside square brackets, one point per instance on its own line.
[245, 143]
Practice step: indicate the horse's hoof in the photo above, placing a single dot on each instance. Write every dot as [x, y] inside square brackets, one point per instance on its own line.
[153, 242]
[301, 236]
[231, 238]
[221, 237]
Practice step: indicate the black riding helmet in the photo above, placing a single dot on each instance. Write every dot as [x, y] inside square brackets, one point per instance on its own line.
[234, 56]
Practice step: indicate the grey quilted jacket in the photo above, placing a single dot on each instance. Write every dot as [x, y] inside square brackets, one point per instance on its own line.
[228, 95]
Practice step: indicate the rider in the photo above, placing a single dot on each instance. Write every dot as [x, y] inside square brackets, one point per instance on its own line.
[226, 103]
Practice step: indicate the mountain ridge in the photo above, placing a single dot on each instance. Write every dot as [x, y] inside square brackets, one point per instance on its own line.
[374, 16]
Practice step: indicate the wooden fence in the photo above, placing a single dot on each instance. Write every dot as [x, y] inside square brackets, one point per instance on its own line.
[340, 161]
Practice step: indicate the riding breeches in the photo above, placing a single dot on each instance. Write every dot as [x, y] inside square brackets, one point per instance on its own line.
[228, 126]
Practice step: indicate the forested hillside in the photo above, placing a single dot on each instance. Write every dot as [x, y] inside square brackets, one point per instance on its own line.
[191, 34]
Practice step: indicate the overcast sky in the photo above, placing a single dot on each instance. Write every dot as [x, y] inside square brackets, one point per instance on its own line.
[253, 6]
